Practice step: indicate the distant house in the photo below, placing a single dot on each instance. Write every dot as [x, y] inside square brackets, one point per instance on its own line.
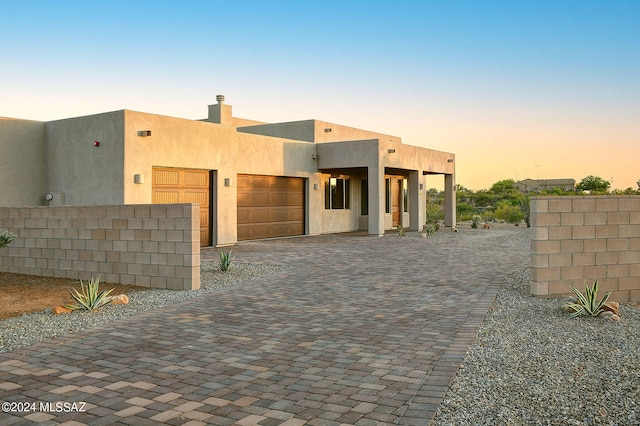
[529, 185]
[251, 179]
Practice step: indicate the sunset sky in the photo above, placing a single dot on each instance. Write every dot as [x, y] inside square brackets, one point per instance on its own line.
[516, 89]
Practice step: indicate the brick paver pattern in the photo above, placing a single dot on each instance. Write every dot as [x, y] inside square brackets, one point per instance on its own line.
[360, 331]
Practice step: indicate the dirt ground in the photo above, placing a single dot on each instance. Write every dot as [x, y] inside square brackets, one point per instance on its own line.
[20, 294]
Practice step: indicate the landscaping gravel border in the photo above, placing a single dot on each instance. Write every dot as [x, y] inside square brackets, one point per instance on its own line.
[531, 364]
[28, 329]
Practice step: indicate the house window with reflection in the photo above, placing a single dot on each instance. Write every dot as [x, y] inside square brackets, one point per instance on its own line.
[336, 194]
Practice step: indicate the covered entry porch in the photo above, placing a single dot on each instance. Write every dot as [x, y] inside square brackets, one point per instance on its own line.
[357, 199]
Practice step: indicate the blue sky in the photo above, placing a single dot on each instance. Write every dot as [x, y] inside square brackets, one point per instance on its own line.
[515, 89]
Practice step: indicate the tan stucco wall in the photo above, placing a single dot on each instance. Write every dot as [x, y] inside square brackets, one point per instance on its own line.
[297, 130]
[86, 174]
[22, 162]
[314, 131]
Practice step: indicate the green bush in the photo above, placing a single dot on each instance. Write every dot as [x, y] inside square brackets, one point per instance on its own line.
[509, 213]
[435, 212]
[489, 216]
[475, 220]
[465, 212]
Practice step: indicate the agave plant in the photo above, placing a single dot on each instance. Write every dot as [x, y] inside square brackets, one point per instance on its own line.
[225, 260]
[90, 297]
[587, 303]
[6, 238]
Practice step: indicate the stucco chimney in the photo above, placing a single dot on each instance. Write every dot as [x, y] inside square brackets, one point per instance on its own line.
[220, 113]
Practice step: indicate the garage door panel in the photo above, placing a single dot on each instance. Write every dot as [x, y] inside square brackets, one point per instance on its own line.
[295, 214]
[270, 206]
[243, 181]
[295, 228]
[259, 231]
[244, 199]
[260, 182]
[297, 184]
[277, 214]
[259, 215]
[278, 199]
[244, 232]
[166, 197]
[166, 177]
[196, 178]
[280, 183]
[295, 199]
[260, 199]
[200, 197]
[277, 228]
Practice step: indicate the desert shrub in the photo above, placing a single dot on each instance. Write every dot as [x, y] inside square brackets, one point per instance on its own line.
[401, 231]
[587, 304]
[509, 213]
[465, 212]
[225, 260]
[435, 212]
[7, 238]
[89, 297]
[475, 220]
[489, 216]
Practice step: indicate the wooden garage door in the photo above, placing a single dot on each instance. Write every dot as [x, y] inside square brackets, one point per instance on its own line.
[172, 186]
[270, 206]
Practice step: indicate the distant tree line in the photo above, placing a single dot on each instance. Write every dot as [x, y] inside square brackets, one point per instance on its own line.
[505, 202]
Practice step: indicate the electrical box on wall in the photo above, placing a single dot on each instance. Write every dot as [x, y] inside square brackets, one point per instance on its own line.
[138, 178]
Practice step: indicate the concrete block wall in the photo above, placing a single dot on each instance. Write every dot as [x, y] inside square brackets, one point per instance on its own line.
[146, 245]
[583, 238]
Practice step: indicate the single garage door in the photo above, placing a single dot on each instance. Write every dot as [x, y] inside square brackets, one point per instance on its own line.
[270, 206]
[171, 186]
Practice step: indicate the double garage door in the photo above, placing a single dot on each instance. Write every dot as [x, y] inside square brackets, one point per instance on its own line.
[270, 206]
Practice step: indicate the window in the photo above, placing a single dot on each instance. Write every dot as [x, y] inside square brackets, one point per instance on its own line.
[387, 195]
[364, 198]
[405, 188]
[336, 194]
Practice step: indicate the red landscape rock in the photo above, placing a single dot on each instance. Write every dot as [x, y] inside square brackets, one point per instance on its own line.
[61, 310]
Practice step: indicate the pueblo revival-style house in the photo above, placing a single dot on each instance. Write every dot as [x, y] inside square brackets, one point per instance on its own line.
[252, 180]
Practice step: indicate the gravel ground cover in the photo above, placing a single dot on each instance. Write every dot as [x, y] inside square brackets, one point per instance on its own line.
[32, 328]
[531, 364]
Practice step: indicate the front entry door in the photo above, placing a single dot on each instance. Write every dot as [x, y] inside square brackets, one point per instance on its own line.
[396, 202]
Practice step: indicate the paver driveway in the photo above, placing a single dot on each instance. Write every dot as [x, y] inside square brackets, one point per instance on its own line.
[361, 330]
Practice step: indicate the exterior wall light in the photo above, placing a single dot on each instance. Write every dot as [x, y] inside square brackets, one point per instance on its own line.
[138, 178]
[227, 181]
[144, 133]
[315, 186]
